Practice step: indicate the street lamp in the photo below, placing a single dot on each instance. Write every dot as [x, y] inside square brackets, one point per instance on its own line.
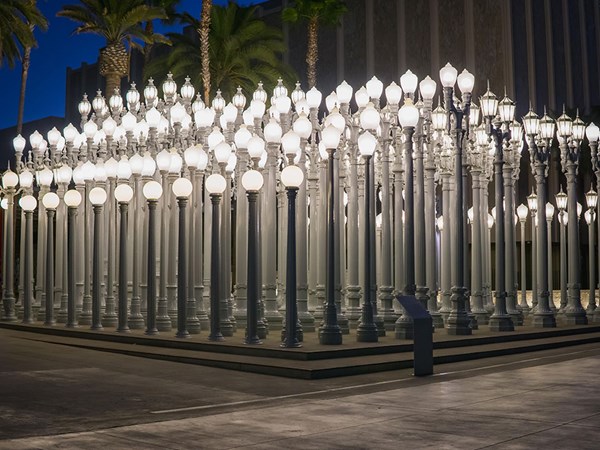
[330, 333]
[522, 212]
[9, 184]
[215, 185]
[123, 194]
[72, 199]
[28, 203]
[539, 138]
[561, 203]
[152, 191]
[549, 217]
[367, 329]
[97, 197]
[590, 216]
[50, 202]
[252, 182]
[182, 188]
[292, 178]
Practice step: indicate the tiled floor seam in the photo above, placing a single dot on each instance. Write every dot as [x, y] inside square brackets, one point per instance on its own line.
[520, 437]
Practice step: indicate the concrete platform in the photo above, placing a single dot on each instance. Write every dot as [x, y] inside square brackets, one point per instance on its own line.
[312, 360]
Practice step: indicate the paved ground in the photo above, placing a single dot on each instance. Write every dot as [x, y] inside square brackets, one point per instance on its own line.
[52, 396]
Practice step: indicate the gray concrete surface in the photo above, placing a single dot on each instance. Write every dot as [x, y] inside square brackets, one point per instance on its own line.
[53, 396]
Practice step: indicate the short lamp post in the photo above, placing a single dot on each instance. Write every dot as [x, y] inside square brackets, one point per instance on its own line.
[50, 202]
[72, 199]
[123, 195]
[10, 180]
[292, 178]
[28, 203]
[252, 182]
[549, 217]
[215, 185]
[522, 212]
[97, 197]
[563, 218]
[590, 216]
[152, 191]
[182, 188]
[367, 329]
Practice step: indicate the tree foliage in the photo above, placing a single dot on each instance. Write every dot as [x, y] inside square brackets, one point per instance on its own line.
[18, 18]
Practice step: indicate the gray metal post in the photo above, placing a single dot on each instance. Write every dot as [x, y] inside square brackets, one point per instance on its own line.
[550, 285]
[151, 329]
[291, 314]
[109, 318]
[8, 291]
[563, 264]
[40, 290]
[200, 240]
[241, 241]
[97, 268]
[386, 289]
[477, 307]
[510, 260]
[71, 231]
[163, 321]
[192, 321]
[122, 326]
[182, 288]
[28, 272]
[85, 318]
[135, 319]
[592, 262]
[215, 312]
[49, 278]
[523, 303]
[252, 267]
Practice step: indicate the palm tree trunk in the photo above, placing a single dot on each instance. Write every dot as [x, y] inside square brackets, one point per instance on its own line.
[204, 31]
[312, 52]
[148, 47]
[113, 80]
[24, 75]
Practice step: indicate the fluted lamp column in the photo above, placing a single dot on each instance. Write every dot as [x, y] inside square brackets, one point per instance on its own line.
[215, 185]
[591, 199]
[563, 218]
[252, 182]
[522, 213]
[592, 132]
[97, 197]
[292, 178]
[182, 189]
[28, 203]
[9, 183]
[50, 202]
[152, 192]
[72, 199]
[123, 194]
[367, 329]
[549, 217]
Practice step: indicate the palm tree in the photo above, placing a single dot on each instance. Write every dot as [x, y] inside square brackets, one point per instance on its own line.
[243, 51]
[315, 12]
[204, 33]
[118, 22]
[18, 20]
[171, 15]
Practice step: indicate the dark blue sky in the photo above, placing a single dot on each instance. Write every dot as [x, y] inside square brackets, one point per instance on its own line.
[57, 50]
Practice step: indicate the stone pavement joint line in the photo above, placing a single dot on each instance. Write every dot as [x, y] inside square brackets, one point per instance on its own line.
[552, 405]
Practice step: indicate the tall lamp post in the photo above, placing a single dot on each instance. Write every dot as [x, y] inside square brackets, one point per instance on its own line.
[549, 216]
[72, 199]
[50, 202]
[123, 194]
[592, 132]
[152, 191]
[539, 138]
[367, 329]
[571, 134]
[215, 185]
[330, 333]
[458, 322]
[9, 183]
[522, 212]
[97, 197]
[592, 200]
[532, 202]
[252, 182]
[182, 188]
[563, 218]
[28, 203]
[292, 178]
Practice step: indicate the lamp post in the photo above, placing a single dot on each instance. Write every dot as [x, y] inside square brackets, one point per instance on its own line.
[291, 177]
[72, 199]
[123, 194]
[97, 197]
[182, 189]
[522, 212]
[367, 329]
[330, 333]
[571, 134]
[458, 322]
[592, 200]
[539, 137]
[500, 320]
[563, 218]
[532, 202]
[215, 185]
[9, 183]
[28, 203]
[549, 216]
[50, 202]
[592, 133]
[152, 191]
[252, 182]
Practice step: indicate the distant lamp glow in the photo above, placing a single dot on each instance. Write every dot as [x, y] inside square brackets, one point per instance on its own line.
[97, 196]
[216, 184]
[182, 188]
[50, 200]
[292, 177]
[252, 181]
[152, 190]
[72, 198]
[28, 203]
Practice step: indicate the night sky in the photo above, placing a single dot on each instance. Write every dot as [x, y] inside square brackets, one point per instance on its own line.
[57, 50]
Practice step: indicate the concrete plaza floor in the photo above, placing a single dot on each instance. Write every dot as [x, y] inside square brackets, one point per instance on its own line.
[543, 400]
